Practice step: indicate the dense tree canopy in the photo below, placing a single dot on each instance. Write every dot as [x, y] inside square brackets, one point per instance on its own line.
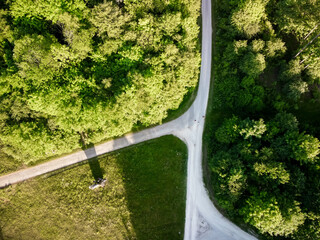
[264, 137]
[253, 156]
[91, 70]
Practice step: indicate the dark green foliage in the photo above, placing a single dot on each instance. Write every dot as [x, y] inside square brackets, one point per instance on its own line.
[263, 146]
[253, 64]
[93, 67]
[230, 178]
[229, 131]
[256, 157]
[305, 148]
[298, 17]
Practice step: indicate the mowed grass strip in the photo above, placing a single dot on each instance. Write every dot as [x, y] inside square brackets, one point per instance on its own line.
[144, 198]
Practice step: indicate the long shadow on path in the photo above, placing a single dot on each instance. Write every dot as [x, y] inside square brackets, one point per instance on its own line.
[93, 161]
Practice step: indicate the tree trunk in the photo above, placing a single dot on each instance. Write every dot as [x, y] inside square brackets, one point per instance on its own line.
[306, 46]
[305, 58]
[311, 32]
[83, 139]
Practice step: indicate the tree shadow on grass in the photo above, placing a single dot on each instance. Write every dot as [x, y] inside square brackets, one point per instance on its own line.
[155, 185]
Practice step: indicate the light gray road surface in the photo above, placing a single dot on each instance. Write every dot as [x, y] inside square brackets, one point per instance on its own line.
[203, 221]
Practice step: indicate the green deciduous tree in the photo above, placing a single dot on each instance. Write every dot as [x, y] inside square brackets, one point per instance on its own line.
[253, 64]
[249, 16]
[229, 131]
[49, 10]
[231, 178]
[258, 45]
[33, 57]
[273, 170]
[5, 30]
[283, 122]
[305, 148]
[26, 134]
[263, 211]
[109, 20]
[298, 17]
[296, 89]
[275, 47]
[251, 128]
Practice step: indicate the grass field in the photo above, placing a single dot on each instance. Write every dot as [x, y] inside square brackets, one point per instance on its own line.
[144, 197]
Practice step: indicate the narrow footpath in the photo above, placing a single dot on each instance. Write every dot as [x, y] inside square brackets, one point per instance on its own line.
[203, 220]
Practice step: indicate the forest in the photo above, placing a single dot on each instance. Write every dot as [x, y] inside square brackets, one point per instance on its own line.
[78, 72]
[263, 164]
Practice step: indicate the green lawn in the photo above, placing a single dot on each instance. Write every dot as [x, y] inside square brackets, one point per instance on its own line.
[144, 198]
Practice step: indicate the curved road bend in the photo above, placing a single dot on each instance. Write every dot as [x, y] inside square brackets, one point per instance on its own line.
[203, 221]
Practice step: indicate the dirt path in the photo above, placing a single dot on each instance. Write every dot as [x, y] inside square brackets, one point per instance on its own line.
[203, 221]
